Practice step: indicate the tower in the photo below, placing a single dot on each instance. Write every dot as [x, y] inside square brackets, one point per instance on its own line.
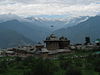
[52, 42]
[64, 42]
[87, 40]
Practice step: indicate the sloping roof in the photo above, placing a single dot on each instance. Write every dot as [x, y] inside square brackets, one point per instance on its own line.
[10, 52]
[59, 51]
[97, 41]
[52, 37]
[43, 50]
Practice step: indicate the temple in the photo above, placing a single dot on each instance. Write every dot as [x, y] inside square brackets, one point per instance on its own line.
[54, 43]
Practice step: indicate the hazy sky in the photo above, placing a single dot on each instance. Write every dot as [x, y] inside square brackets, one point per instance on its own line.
[54, 8]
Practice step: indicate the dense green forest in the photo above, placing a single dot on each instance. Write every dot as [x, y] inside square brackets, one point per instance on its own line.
[79, 63]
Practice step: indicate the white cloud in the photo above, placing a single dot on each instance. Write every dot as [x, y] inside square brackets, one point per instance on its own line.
[54, 1]
[72, 8]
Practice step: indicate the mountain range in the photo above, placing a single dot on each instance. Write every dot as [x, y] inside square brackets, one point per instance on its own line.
[27, 29]
[15, 30]
[10, 38]
[57, 23]
[78, 32]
